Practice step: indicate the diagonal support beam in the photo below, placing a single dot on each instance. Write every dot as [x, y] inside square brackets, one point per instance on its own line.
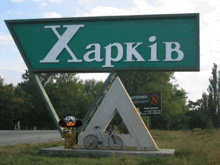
[47, 101]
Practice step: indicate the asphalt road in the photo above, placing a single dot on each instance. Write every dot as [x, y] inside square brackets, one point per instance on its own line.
[13, 137]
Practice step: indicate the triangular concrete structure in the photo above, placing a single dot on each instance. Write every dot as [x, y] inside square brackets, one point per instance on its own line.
[118, 99]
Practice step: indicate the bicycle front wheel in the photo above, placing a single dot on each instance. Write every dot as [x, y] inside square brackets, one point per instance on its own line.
[90, 141]
[115, 142]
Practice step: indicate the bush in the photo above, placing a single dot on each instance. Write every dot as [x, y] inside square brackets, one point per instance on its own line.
[197, 119]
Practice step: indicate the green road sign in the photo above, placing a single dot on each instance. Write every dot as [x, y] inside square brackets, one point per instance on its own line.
[104, 44]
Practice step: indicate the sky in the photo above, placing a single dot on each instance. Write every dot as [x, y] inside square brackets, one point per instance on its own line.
[194, 83]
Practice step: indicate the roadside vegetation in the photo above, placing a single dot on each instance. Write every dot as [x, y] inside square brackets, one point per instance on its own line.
[192, 148]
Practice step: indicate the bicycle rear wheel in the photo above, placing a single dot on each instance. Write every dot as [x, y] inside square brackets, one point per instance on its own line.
[90, 141]
[115, 142]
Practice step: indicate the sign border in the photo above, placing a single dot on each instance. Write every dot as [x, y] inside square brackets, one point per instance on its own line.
[10, 23]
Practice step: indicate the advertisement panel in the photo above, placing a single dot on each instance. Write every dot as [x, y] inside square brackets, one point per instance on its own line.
[148, 104]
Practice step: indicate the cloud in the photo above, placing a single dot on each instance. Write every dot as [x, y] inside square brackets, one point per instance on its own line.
[51, 15]
[56, 1]
[11, 76]
[104, 11]
[11, 60]
[6, 39]
[98, 76]
[16, 0]
[43, 4]
[13, 65]
[45, 1]
[146, 7]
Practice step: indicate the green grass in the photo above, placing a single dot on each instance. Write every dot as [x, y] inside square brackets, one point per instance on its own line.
[196, 147]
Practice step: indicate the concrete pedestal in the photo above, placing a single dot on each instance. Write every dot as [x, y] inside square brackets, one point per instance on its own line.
[61, 151]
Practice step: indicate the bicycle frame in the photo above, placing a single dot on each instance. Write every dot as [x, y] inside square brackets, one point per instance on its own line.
[102, 136]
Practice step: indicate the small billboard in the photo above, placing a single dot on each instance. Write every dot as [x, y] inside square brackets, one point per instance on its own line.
[148, 104]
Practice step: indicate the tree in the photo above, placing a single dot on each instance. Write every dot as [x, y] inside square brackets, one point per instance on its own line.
[197, 116]
[34, 110]
[9, 105]
[204, 103]
[68, 96]
[213, 97]
[208, 105]
[197, 119]
[92, 87]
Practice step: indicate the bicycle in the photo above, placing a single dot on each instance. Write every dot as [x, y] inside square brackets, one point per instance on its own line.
[114, 141]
